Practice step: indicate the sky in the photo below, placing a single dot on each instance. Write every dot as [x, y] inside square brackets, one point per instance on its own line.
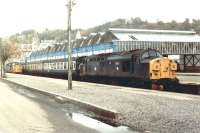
[19, 15]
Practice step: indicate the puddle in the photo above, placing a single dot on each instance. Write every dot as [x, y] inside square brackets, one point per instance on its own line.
[98, 125]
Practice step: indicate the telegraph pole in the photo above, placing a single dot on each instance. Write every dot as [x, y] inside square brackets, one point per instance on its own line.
[69, 47]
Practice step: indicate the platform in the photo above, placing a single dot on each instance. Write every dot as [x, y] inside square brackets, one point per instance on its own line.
[189, 78]
[143, 110]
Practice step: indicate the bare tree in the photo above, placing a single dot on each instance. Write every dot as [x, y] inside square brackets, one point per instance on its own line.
[7, 50]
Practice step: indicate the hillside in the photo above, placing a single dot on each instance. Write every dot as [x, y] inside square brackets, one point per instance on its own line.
[138, 23]
[28, 36]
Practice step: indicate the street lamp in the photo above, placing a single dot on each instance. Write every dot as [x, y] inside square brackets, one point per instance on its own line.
[69, 47]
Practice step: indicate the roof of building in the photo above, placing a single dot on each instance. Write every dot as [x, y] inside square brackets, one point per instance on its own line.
[147, 31]
[154, 35]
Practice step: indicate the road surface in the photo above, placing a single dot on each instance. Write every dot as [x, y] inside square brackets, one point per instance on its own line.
[22, 112]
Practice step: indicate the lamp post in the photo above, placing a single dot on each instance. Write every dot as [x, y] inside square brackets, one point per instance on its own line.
[69, 47]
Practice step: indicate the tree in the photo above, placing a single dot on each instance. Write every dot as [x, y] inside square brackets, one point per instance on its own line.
[7, 50]
[186, 25]
[173, 25]
[196, 25]
[160, 25]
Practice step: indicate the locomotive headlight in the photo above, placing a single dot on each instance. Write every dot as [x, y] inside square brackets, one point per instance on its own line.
[156, 67]
[173, 66]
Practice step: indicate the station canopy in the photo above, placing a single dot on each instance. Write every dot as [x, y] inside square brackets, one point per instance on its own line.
[117, 40]
[166, 41]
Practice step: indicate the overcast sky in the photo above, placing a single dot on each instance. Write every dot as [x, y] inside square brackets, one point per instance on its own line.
[19, 15]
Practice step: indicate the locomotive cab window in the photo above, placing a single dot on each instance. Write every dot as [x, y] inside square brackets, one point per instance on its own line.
[150, 54]
[154, 54]
[145, 56]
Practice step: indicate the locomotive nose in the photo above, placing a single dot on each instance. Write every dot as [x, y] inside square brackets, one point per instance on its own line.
[162, 68]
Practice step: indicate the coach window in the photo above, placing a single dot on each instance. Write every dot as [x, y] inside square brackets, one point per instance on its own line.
[58, 65]
[55, 65]
[64, 66]
[49, 65]
[61, 65]
[126, 66]
[74, 66]
[46, 66]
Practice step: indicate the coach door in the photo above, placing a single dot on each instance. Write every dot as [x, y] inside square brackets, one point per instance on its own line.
[133, 63]
[136, 67]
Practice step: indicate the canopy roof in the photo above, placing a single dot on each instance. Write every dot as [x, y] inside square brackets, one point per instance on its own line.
[125, 35]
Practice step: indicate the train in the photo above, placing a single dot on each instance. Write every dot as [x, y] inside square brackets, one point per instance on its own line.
[141, 66]
[14, 67]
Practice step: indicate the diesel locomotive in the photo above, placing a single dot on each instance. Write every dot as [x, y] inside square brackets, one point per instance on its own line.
[136, 67]
[14, 67]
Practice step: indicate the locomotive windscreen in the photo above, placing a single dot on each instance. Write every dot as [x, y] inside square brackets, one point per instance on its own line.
[150, 54]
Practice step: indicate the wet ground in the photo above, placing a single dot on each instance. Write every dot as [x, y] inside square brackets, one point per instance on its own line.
[28, 112]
